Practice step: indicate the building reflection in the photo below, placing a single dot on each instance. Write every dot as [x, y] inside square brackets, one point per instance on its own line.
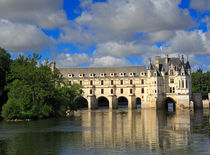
[145, 129]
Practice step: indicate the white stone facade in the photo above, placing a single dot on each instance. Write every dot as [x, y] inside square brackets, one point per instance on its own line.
[167, 80]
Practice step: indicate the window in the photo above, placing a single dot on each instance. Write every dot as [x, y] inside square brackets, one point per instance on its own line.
[121, 91]
[182, 83]
[155, 91]
[122, 74]
[91, 82]
[80, 82]
[91, 91]
[121, 82]
[171, 72]
[111, 91]
[70, 83]
[131, 91]
[91, 74]
[170, 89]
[155, 82]
[102, 74]
[70, 75]
[171, 80]
[102, 91]
[142, 81]
[112, 82]
[131, 74]
[102, 82]
[131, 81]
[142, 90]
[112, 74]
[81, 75]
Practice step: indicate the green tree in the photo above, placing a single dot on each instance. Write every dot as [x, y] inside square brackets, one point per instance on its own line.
[4, 69]
[201, 83]
[37, 92]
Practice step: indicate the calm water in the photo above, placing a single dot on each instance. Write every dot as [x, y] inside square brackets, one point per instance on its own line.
[110, 132]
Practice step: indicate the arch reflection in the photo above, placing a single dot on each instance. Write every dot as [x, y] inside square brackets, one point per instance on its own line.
[145, 129]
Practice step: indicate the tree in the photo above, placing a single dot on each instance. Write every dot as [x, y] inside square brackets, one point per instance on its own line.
[201, 83]
[36, 92]
[4, 69]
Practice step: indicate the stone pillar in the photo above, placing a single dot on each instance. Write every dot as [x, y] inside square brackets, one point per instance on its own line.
[131, 102]
[197, 99]
[113, 102]
[92, 103]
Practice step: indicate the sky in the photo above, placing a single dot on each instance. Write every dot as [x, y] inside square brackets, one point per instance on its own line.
[107, 32]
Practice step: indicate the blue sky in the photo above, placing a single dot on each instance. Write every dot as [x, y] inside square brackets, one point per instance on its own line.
[107, 32]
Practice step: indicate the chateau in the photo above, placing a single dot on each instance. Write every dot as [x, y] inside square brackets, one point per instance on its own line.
[166, 80]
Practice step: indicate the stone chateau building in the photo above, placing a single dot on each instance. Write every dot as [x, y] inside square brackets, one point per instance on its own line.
[166, 80]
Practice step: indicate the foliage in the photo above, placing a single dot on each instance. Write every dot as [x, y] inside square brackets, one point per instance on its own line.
[201, 83]
[36, 92]
[4, 69]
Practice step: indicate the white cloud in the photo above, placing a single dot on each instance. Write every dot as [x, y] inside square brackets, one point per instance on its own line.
[22, 37]
[72, 60]
[201, 5]
[122, 19]
[195, 42]
[109, 61]
[123, 49]
[45, 13]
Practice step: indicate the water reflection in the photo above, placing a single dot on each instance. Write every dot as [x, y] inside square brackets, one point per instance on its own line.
[146, 129]
[110, 132]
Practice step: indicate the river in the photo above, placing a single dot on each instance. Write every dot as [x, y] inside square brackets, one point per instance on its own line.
[105, 131]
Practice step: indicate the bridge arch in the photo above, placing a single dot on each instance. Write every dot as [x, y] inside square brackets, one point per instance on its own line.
[138, 102]
[102, 101]
[82, 102]
[122, 102]
[170, 104]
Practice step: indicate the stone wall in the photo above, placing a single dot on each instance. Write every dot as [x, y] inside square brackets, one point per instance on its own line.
[205, 104]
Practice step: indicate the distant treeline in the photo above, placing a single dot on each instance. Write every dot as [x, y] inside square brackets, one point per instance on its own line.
[201, 83]
[29, 90]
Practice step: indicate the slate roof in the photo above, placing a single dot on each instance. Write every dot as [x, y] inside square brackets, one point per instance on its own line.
[107, 70]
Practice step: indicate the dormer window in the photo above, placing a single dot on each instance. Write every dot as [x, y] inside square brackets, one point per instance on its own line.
[70, 75]
[91, 75]
[102, 74]
[81, 75]
[112, 74]
[142, 73]
[122, 74]
[131, 74]
[171, 72]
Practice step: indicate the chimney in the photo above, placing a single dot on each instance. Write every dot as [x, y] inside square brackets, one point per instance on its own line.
[149, 62]
[182, 58]
[166, 59]
[157, 61]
